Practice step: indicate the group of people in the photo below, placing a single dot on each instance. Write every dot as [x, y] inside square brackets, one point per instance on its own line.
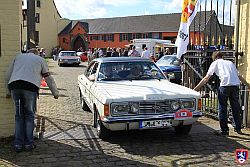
[119, 52]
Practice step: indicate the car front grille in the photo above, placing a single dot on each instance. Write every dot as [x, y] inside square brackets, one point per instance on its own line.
[70, 60]
[155, 107]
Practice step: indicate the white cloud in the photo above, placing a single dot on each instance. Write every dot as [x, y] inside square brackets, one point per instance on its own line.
[79, 9]
[124, 3]
[174, 6]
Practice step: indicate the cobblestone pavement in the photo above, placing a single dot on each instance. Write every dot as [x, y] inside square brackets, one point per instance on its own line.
[70, 139]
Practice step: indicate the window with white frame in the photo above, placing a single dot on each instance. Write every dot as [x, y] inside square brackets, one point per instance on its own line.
[124, 37]
[109, 37]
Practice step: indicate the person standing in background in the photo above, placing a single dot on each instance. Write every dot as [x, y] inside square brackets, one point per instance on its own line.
[145, 53]
[23, 80]
[125, 52]
[134, 52]
[109, 52]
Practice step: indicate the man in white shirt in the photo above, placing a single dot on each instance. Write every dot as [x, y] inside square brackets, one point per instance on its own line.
[229, 89]
[145, 53]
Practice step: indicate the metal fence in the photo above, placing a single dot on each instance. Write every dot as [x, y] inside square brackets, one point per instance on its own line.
[212, 29]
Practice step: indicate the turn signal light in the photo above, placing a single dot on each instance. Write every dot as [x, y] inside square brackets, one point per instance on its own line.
[106, 110]
[199, 104]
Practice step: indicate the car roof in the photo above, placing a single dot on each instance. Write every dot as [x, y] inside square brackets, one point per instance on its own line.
[122, 59]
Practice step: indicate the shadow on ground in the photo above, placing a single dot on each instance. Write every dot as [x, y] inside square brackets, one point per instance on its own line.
[76, 144]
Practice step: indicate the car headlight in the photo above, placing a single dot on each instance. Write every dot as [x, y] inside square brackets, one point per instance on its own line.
[134, 108]
[187, 104]
[119, 109]
[171, 75]
[175, 105]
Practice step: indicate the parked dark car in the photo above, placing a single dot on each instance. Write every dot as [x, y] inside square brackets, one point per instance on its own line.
[171, 67]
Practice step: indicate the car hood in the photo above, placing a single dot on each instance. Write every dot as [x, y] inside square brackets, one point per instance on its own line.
[69, 57]
[170, 68]
[141, 90]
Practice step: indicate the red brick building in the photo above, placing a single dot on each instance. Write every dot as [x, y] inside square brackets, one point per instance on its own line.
[119, 31]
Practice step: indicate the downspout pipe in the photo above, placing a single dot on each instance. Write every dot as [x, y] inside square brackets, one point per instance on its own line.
[237, 27]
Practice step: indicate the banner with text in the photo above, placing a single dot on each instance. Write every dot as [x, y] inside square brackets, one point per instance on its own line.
[189, 10]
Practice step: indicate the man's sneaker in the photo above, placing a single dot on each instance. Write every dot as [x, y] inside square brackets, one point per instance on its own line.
[222, 133]
[29, 147]
[18, 148]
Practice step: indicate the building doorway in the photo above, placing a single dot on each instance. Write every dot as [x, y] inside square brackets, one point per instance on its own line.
[79, 43]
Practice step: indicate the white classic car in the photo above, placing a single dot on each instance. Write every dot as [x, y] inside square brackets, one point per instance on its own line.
[126, 93]
[68, 58]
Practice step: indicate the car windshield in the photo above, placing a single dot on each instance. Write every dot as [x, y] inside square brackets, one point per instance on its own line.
[68, 54]
[168, 61]
[114, 71]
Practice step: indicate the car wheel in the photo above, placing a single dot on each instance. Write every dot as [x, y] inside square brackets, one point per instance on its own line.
[102, 131]
[183, 129]
[83, 103]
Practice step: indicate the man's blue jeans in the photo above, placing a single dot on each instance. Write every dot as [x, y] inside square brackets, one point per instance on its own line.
[25, 104]
[231, 93]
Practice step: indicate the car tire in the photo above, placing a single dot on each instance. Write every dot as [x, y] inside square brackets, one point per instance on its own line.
[84, 105]
[183, 129]
[102, 131]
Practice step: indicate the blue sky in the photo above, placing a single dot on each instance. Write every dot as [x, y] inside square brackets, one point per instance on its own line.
[88, 9]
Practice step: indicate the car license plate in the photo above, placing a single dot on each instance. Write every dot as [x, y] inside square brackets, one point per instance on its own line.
[155, 124]
[183, 114]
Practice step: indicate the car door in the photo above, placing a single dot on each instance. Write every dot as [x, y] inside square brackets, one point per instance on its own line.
[91, 82]
[86, 82]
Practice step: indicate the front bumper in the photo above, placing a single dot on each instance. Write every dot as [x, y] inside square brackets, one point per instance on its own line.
[133, 122]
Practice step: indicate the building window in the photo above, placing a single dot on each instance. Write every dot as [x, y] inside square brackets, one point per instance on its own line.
[95, 37]
[136, 36]
[22, 3]
[38, 3]
[37, 17]
[24, 15]
[144, 35]
[37, 36]
[101, 37]
[109, 37]
[156, 35]
[124, 37]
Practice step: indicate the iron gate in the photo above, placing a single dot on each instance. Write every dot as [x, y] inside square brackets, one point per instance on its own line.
[212, 29]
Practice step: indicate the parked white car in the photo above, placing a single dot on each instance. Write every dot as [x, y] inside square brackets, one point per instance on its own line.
[68, 58]
[126, 93]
